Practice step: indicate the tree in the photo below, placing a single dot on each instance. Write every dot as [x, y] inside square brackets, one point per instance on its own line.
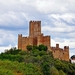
[29, 47]
[45, 68]
[12, 51]
[42, 47]
[35, 47]
[54, 71]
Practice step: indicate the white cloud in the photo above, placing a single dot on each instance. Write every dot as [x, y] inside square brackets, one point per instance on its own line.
[55, 6]
[45, 6]
[11, 18]
[2, 48]
[6, 38]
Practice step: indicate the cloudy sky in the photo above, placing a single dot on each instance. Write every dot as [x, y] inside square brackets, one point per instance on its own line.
[57, 19]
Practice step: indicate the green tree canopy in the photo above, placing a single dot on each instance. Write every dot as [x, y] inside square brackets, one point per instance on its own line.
[42, 47]
[29, 47]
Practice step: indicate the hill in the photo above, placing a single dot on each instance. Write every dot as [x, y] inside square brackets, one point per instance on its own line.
[36, 61]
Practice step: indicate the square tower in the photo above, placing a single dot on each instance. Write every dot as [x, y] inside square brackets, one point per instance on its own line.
[34, 28]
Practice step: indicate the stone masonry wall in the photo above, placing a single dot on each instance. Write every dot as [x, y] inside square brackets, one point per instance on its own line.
[36, 38]
[62, 54]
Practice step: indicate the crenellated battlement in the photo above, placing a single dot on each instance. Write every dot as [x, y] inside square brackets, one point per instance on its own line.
[66, 47]
[57, 46]
[19, 35]
[36, 22]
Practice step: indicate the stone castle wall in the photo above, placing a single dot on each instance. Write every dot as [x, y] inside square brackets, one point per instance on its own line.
[36, 38]
[62, 54]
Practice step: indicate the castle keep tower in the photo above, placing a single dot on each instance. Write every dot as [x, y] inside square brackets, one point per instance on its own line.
[36, 38]
[34, 28]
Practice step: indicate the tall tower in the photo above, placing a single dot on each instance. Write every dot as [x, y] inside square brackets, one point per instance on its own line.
[34, 28]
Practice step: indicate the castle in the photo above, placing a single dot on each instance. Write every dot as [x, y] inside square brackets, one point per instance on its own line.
[36, 38]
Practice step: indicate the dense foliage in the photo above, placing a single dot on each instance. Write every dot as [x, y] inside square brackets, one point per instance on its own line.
[36, 61]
